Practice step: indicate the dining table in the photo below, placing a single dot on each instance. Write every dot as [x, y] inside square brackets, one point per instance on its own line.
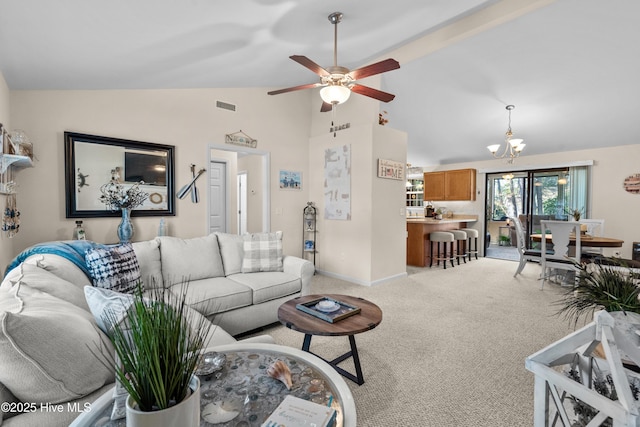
[586, 241]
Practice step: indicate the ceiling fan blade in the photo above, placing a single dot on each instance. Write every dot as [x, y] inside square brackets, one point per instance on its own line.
[306, 62]
[291, 89]
[372, 93]
[326, 107]
[373, 69]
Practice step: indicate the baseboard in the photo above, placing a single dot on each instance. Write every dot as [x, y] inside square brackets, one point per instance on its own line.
[362, 282]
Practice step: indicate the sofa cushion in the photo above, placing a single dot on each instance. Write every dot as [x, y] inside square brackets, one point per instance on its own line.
[40, 280]
[268, 286]
[262, 252]
[61, 267]
[232, 251]
[148, 254]
[39, 363]
[190, 259]
[215, 295]
[114, 267]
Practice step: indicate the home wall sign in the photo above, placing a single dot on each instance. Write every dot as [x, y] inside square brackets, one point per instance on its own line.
[240, 138]
[390, 169]
[632, 184]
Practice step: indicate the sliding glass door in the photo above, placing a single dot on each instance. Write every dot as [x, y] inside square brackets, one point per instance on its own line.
[532, 196]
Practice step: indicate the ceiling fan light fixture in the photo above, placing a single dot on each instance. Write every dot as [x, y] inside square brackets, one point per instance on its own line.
[334, 94]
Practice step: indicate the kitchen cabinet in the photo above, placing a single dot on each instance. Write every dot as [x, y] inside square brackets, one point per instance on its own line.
[458, 184]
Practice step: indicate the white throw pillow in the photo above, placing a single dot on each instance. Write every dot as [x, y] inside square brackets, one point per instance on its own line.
[51, 350]
[262, 252]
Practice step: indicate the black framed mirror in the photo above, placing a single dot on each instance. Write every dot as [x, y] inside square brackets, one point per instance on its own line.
[91, 161]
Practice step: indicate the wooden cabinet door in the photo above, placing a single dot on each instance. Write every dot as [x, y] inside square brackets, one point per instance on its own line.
[460, 184]
[434, 186]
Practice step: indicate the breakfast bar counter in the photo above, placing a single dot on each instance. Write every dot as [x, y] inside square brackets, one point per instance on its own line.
[418, 247]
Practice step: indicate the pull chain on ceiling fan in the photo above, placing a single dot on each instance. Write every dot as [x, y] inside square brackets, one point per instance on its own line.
[338, 82]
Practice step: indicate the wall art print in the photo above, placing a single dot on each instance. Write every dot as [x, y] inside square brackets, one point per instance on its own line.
[337, 182]
[290, 180]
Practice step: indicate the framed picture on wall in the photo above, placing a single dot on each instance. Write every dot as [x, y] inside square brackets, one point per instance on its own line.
[290, 180]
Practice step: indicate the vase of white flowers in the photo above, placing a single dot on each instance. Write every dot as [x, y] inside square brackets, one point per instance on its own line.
[116, 197]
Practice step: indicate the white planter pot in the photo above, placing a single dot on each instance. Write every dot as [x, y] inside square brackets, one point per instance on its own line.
[184, 414]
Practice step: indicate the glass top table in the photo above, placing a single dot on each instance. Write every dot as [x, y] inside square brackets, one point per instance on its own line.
[243, 395]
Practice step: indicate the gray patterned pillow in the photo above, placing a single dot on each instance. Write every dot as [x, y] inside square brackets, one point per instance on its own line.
[114, 267]
[262, 252]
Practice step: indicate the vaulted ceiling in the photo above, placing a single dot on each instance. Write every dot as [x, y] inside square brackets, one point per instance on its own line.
[569, 66]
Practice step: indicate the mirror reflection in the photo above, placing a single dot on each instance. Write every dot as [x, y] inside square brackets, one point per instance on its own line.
[92, 161]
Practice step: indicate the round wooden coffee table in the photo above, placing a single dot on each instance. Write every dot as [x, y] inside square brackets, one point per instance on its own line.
[368, 318]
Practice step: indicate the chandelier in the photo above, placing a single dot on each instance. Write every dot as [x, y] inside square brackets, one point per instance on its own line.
[513, 146]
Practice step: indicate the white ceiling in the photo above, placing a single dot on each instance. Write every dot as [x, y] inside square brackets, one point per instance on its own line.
[569, 66]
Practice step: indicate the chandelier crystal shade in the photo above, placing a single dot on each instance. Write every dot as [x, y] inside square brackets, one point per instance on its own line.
[513, 146]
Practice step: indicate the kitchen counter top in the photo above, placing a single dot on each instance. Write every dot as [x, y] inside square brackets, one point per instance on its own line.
[454, 219]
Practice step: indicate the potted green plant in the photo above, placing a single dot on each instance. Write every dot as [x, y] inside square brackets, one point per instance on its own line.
[158, 346]
[608, 285]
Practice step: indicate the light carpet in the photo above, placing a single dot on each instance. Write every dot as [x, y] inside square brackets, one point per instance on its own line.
[451, 347]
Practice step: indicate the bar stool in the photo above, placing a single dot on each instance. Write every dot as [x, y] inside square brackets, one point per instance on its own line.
[447, 239]
[461, 245]
[472, 233]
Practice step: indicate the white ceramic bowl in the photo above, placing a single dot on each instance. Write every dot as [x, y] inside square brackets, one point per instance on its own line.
[325, 304]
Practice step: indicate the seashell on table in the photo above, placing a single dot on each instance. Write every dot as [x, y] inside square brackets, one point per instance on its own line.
[280, 371]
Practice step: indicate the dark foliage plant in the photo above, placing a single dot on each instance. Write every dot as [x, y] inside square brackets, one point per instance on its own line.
[605, 285]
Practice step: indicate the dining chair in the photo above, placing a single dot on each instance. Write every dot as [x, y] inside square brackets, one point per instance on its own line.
[523, 253]
[595, 227]
[561, 254]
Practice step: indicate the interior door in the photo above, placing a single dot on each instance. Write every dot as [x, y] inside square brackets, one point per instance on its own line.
[242, 202]
[218, 199]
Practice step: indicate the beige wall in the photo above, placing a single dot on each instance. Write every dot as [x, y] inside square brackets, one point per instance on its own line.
[370, 247]
[609, 200]
[6, 244]
[187, 119]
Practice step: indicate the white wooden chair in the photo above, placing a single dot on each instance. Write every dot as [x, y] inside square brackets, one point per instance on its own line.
[595, 227]
[561, 255]
[524, 253]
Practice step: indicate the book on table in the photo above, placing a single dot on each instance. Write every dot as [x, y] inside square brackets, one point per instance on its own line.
[336, 311]
[296, 412]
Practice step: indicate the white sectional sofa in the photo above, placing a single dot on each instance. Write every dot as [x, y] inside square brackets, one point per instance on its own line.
[49, 339]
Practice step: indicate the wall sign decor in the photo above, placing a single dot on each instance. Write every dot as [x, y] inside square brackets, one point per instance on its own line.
[337, 182]
[290, 180]
[240, 138]
[390, 169]
[632, 184]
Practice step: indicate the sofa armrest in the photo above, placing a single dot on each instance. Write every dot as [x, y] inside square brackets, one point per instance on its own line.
[300, 268]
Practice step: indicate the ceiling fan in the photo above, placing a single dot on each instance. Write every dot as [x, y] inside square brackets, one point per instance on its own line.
[338, 81]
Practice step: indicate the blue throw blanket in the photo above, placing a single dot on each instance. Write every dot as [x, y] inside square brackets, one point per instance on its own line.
[73, 250]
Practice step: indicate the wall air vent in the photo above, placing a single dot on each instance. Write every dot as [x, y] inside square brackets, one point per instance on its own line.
[225, 106]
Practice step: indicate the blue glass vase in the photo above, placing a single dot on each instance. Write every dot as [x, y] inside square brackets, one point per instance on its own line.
[125, 229]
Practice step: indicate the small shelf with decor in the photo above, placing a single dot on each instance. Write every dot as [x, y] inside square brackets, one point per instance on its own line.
[9, 163]
[309, 232]
[415, 191]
